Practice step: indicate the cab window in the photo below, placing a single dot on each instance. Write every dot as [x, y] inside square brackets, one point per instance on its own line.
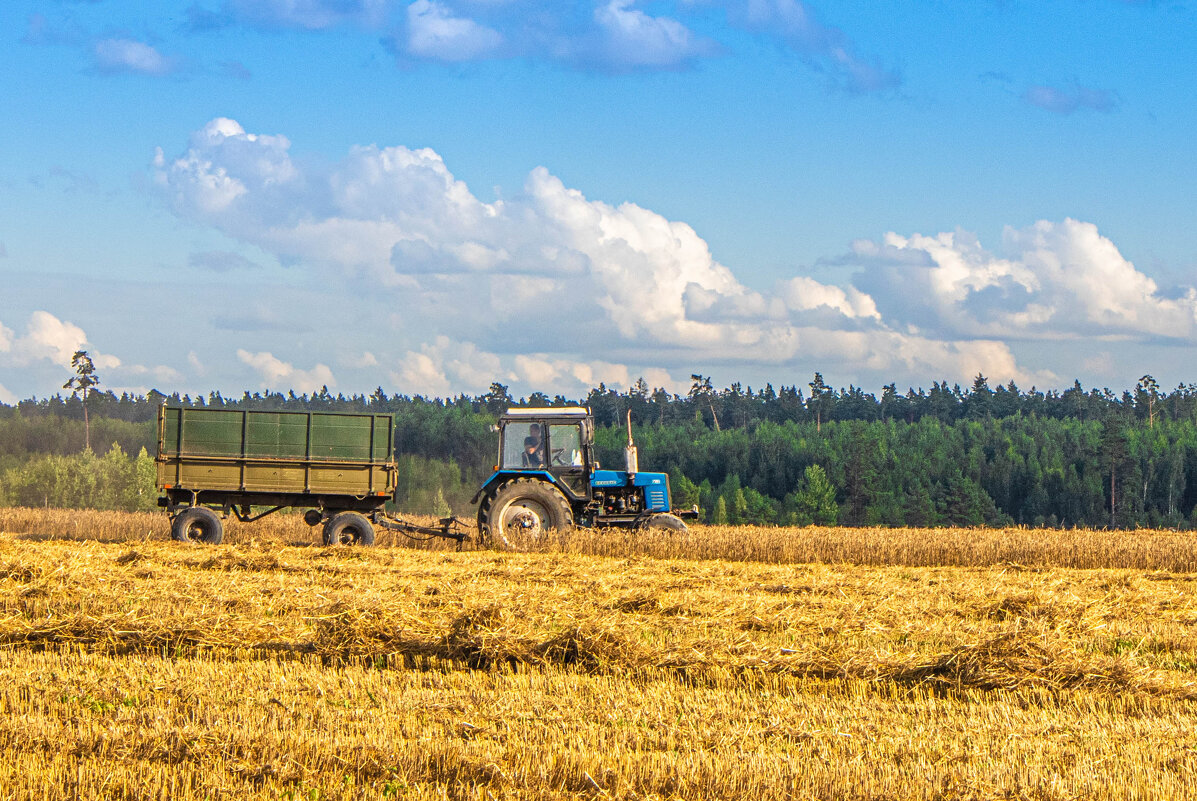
[523, 446]
[565, 446]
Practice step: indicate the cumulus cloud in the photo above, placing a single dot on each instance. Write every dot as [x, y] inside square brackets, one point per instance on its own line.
[826, 48]
[550, 285]
[545, 370]
[49, 339]
[445, 366]
[1074, 98]
[279, 375]
[1052, 280]
[46, 337]
[6, 396]
[130, 56]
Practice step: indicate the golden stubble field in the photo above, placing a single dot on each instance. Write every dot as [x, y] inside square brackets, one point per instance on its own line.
[723, 663]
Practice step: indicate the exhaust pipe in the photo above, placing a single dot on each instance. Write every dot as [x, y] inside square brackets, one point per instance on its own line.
[633, 461]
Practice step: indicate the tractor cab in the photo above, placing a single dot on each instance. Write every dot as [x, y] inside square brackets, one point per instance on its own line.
[556, 442]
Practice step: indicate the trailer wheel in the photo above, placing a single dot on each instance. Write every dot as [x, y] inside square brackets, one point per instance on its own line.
[197, 524]
[348, 528]
[523, 513]
[663, 522]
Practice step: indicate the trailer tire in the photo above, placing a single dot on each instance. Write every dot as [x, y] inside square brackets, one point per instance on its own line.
[348, 528]
[197, 524]
[663, 522]
[523, 513]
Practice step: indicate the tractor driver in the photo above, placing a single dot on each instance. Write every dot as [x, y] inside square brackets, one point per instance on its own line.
[532, 456]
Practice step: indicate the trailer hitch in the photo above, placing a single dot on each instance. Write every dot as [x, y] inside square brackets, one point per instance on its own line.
[449, 528]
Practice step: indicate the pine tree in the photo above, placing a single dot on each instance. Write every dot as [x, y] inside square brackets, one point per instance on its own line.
[719, 518]
[81, 384]
[815, 502]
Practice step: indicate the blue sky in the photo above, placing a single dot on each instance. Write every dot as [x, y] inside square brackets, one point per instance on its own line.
[433, 195]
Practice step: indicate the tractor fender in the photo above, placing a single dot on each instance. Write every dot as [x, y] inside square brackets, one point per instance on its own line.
[498, 478]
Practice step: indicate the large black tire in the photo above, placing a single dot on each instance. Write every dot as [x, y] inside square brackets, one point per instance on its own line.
[197, 524]
[524, 513]
[663, 522]
[348, 528]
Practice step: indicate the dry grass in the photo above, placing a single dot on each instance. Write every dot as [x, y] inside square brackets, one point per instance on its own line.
[1170, 551]
[134, 667]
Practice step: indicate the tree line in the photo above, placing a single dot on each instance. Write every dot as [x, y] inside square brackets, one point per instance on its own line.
[795, 455]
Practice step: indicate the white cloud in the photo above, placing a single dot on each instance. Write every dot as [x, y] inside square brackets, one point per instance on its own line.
[444, 367]
[1054, 280]
[362, 361]
[279, 375]
[433, 32]
[573, 376]
[130, 55]
[631, 39]
[802, 293]
[46, 337]
[6, 396]
[609, 35]
[586, 291]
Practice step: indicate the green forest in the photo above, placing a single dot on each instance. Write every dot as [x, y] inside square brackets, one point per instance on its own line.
[793, 455]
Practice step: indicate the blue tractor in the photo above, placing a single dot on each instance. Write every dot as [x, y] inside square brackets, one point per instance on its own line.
[548, 479]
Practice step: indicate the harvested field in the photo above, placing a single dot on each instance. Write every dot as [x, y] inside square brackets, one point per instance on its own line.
[1172, 551]
[728, 663]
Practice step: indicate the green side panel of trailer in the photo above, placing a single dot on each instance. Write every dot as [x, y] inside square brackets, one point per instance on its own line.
[276, 452]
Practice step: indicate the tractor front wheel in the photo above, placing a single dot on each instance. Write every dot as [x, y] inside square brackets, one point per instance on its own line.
[523, 513]
[663, 522]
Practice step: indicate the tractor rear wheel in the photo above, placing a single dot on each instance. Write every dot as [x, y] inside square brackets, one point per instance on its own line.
[523, 513]
[348, 528]
[197, 524]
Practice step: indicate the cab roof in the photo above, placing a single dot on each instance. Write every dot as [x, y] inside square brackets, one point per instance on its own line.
[549, 411]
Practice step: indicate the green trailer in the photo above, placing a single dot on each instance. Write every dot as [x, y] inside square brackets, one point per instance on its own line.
[213, 463]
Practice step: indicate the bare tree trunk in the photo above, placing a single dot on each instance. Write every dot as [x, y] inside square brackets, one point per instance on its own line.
[714, 416]
[86, 424]
[1112, 496]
